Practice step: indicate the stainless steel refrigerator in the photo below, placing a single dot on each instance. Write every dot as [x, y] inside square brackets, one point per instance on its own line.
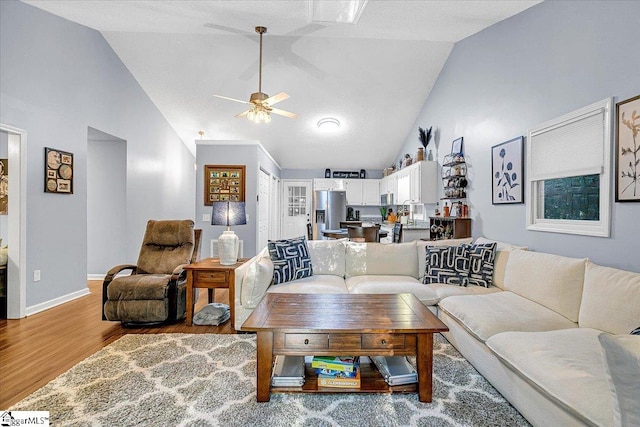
[329, 208]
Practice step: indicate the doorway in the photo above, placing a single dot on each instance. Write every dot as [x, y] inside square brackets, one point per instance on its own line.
[16, 232]
[296, 207]
[106, 202]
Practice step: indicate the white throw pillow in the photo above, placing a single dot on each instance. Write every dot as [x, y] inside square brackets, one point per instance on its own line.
[328, 256]
[622, 360]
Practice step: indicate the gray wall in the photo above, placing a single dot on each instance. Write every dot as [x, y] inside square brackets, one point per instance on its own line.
[549, 60]
[247, 153]
[59, 78]
[106, 201]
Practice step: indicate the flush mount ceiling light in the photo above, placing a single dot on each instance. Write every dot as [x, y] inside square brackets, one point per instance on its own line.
[328, 124]
[342, 11]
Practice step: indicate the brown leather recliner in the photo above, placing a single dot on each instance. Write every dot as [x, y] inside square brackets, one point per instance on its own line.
[155, 292]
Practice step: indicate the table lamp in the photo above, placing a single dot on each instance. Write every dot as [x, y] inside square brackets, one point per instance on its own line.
[228, 213]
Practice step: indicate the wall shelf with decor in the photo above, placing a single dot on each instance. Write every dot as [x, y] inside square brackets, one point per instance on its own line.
[448, 227]
[454, 177]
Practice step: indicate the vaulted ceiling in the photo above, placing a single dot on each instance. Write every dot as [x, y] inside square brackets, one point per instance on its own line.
[373, 76]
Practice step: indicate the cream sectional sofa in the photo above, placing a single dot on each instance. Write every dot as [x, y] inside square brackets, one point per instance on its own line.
[552, 334]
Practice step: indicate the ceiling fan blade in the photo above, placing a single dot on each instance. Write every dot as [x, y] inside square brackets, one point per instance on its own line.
[231, 99]
[276, 98]
[283, 113]
[244, 113]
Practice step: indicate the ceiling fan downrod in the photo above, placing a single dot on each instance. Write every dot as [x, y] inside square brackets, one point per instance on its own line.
[261, 31]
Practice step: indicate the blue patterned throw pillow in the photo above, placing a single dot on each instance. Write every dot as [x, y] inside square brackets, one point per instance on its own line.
[290, 259]
[447, 264]
[636, 331]
[481, 259]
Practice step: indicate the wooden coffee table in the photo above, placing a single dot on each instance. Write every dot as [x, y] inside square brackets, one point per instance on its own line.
[344, 325]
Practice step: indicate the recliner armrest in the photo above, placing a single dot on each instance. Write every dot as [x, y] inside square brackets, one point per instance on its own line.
[118, 269]
[178, 272]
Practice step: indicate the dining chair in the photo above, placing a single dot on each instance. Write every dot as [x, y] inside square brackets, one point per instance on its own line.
[397, 233]
[364, 234]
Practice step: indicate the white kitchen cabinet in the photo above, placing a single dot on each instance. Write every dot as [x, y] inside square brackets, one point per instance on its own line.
[389, 185]
[404, 186]
[328, 184]
[354, 191]
[418, 183]
[362, 192]
[371, 192]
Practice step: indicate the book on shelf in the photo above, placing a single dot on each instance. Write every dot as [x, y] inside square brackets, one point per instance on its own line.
[335, 373]
[336, 363]
[339, 382]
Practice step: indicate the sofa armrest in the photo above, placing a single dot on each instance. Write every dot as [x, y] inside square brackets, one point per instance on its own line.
[252, 279]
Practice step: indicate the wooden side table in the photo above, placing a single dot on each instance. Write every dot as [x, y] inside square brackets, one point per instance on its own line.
[210, 274]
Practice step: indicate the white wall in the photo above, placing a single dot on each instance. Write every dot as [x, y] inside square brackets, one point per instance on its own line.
[57, 79]
[549, 60]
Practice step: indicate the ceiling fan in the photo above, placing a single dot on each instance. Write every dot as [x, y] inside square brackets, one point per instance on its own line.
[261, 103]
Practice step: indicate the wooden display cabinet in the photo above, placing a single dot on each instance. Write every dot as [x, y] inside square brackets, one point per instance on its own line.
[447, 227]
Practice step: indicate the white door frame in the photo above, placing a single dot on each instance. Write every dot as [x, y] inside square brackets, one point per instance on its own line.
[262, 174]
[16, 267]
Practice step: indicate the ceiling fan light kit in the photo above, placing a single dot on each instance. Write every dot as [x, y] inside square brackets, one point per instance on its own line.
[261, 103]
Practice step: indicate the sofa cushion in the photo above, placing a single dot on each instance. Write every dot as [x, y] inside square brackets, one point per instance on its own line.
[256, 280]
[443, 290]
[328, 256]
[622, 361]
[290, 259]
[421, 246]
[551, 280]
[481, 259]
[488, 314]
[447, 264]
[391, 285]
[381, 259]
[565, 365]
[500, 246]
[316, 284]
[608, 299]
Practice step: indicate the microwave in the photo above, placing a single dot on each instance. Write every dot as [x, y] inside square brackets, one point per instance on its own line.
[386, 199]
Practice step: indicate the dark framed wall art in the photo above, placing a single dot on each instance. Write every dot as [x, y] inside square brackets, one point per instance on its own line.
[58, 171]
[224, 183]
[4, 186]
[507, 172]
[627, 156]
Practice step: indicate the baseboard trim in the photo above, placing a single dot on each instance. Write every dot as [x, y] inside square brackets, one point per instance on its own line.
[98, 276]
[55, 302]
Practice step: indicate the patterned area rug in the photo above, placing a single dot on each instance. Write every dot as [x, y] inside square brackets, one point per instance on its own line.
[209, 380]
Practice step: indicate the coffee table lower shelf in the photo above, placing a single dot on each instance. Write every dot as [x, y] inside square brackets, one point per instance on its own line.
[370, 382]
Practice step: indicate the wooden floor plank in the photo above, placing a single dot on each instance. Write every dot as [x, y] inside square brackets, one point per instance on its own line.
[38, 348]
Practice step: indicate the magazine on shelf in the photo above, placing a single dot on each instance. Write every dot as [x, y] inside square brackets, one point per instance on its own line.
[336, 363]
[339, 382]
[396, 370]
[288, 371]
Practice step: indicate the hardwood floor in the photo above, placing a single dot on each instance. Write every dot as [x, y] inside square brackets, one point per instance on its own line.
[38, 348]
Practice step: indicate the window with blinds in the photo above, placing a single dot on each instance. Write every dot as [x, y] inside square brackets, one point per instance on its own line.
[568, 164]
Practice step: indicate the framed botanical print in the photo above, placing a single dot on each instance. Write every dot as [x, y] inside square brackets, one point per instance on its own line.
[224, 183]
[58, 171]
[507, 172]
[627, 156]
